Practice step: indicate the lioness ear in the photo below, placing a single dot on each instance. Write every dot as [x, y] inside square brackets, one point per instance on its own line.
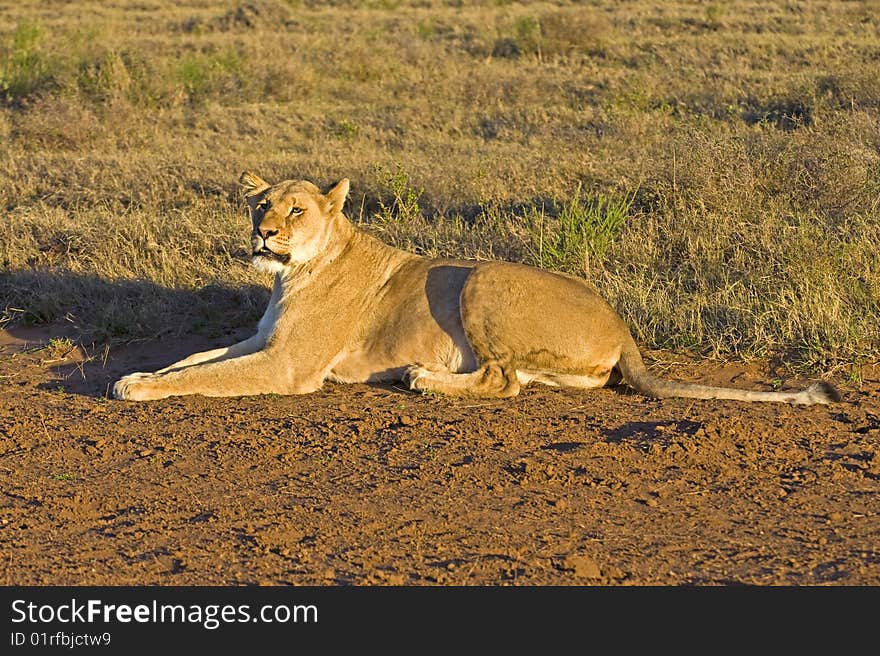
[252, 183]
[336, 196]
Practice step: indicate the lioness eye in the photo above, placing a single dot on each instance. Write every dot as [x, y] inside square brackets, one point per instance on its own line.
[295, 211]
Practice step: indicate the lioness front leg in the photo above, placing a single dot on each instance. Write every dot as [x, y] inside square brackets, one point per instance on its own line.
[245, 347]
[256, 373]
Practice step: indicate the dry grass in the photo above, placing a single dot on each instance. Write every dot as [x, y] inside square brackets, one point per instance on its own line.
[713, 168]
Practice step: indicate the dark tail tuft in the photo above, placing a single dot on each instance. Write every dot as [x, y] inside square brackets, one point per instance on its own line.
[825, 392]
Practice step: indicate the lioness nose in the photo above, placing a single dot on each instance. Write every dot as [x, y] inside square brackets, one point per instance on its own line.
[265, 233]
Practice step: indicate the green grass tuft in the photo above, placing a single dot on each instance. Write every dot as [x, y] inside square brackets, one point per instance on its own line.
[25, 69]
[580, 233]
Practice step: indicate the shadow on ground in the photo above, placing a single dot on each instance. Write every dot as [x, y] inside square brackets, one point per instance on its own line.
[121, 325]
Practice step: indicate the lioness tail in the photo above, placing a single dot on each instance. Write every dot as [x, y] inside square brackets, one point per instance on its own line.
[639, 378]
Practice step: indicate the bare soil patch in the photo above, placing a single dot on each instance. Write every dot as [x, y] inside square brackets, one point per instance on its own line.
[379, 486]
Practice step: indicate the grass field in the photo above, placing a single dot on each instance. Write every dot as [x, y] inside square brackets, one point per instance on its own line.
[714, 168]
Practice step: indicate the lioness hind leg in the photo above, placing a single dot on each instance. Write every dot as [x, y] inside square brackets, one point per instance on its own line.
[491, 380]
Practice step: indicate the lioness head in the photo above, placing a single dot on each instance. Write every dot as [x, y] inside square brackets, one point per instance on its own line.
[292, 220]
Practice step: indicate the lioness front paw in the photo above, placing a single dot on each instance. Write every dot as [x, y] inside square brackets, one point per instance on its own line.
[416, 376]
[138, 386]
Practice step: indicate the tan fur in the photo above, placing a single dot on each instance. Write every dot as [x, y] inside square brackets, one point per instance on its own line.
[347, 308]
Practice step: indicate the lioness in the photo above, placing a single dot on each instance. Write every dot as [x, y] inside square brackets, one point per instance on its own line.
[347, 308]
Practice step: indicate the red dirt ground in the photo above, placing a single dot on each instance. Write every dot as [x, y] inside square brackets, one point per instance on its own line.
[379, 486]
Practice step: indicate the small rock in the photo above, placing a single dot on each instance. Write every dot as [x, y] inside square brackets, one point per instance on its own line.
[583, 566]
[406, 420]
[170, 564]
[614, 572]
